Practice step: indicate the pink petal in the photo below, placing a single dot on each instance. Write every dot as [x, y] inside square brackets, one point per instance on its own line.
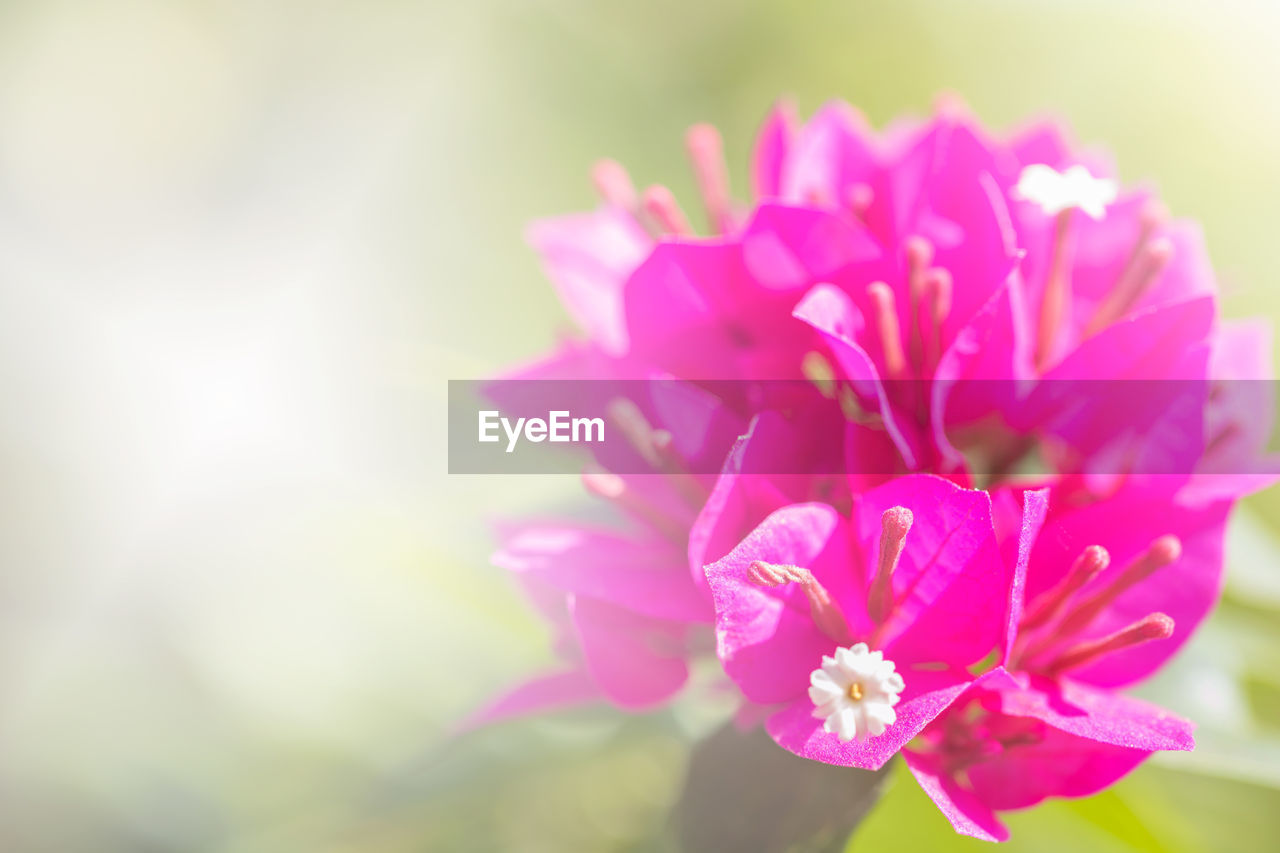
[832, 312]
[588, 258]
[773, 144]
[1061, 765]
[636, 661]
[951, 584]
[765, 637]
[966, 812]
[644, 574]
[1126, 524]
[928, 693]
[1097, 714]
[1035, 507]
[552, 692]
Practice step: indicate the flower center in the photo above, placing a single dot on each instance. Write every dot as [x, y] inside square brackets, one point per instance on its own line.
[854, 692]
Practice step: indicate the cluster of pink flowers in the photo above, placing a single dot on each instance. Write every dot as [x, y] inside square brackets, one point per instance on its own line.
[944, 292]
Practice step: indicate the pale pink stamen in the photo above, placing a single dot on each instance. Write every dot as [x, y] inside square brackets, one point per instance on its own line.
[1163, 551]
[614, 184]
[662, 209]
[1155, 626]
[885, 317]
[706, 153]
[919, 257]
[1150, 260]
[822, 607]
[894, 525]
[1050, 603]
[937, 307]
[1054, 307]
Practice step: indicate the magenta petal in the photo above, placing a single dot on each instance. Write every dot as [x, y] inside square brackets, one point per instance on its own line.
[773, 144]
[966, 812]
[951, 584]
[645, 574]
[1060, 765]
[789, 248]
[1126, 524]
[1035, 507]
[1101, 715]
[832, 312]
[636, 661]
[552, 692]
[588, 257]
[927, 694]
[766, 638]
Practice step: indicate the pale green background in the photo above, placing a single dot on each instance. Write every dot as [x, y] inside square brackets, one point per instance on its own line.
[242, 247]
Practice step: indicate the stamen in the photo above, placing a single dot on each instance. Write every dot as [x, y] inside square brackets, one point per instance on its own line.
[614, 184]
[894, 524]
[855, 691]
[1139, 275]
[706, 152]
[886, 320]
[611, 487]
[1049, 604]
[1163, 551]
[1057, 292]
[919, 257]
[664, 212]
[826, 614]
[937, 309]
[1155, 626]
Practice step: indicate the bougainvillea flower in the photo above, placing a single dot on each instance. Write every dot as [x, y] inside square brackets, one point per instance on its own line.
[914, 265]
[1101, 597]
[893, 602]
[628, 600]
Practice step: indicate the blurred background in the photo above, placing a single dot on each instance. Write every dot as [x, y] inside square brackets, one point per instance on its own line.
[242, 247]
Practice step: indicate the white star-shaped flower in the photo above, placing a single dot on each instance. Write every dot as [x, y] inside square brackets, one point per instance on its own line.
[855, 692]
[1056, 191]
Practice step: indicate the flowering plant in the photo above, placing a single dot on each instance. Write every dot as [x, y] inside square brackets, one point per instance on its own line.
[941, 500]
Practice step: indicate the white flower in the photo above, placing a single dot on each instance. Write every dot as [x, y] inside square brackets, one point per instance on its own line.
[855, 692]
[1057, 191]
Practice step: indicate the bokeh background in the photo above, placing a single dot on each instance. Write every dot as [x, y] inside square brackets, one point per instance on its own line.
[242, 247]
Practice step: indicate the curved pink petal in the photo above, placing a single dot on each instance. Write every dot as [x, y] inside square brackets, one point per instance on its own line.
[765, 637]
[644, 574]
[968, 814]
[555, 691]
[951, 586]
[928, 693]
[1098, 714]
[637, 662]
[789, 248]
[588, 258]
[772, 149]
[830, 311]
[1126, 524]
[1035, 507]
[1059, 765]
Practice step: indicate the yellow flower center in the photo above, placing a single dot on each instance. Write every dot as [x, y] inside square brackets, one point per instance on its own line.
[855, 691]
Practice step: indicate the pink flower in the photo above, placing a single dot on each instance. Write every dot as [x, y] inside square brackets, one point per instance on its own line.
[913, 577]
[1111, 588]
[915, 265]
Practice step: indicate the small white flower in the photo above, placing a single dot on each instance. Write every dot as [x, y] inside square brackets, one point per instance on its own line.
[1057, 191]
[855, 692]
